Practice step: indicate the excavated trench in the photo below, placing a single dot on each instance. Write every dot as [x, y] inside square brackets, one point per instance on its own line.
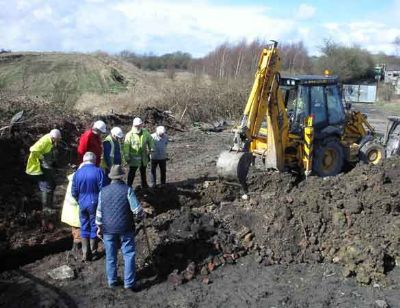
[15, 258]
[177, 255]
[183, 233]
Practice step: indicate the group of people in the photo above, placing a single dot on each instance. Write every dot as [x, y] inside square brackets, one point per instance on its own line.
[136, 150]
[105, 204]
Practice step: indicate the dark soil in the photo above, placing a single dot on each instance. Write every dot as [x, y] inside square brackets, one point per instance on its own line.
[351, 219]
[294, 243]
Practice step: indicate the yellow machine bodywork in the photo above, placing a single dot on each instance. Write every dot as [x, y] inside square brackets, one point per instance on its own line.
[264, 131]
[265, 104]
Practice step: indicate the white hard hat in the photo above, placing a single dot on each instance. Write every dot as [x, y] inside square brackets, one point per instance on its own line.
[137, 122]
[117, 132]
[160, 130]
[89, 157]
[55, 133]
[101, 126]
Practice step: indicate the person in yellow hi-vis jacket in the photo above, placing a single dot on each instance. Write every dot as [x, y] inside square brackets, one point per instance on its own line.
[41, 163]
[137, 147]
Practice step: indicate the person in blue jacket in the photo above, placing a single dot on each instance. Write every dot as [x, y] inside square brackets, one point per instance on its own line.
[87, 182]
[112, 150]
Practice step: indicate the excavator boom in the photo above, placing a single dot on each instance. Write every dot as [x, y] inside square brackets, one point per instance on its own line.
[264, 106]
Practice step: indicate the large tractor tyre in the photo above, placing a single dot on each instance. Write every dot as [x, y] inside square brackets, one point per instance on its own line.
[372, 153]
[328, 159]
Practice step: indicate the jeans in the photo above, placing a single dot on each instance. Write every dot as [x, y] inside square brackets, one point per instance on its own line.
[111, 242]
[163, 170]
[132, 173]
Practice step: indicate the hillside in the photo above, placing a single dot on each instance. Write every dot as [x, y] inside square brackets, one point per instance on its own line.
[95, 83]
[65, 78]
[42, 73]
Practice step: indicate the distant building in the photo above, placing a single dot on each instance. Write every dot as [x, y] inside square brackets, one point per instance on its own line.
[392, 76]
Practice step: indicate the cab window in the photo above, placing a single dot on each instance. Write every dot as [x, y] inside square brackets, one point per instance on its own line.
[318, 108]
[297, 108]
[290, 95]
[335, 107]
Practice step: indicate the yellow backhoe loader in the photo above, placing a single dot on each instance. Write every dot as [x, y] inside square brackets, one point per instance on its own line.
[301, 123]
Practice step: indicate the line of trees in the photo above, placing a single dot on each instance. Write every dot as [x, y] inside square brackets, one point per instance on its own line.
[171, 61]
[350, 63]
[239, 60]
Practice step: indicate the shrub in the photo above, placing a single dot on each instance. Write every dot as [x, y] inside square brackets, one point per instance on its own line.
[202, 102]
[349, 63]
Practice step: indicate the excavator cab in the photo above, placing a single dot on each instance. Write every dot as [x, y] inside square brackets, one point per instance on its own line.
[316, 96]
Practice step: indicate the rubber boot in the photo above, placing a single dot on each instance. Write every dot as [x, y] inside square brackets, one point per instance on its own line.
[44, 199]
[75, 250]
[47, 200]
[50, 200]
[47, 224]
[93, 249]
[85, 249]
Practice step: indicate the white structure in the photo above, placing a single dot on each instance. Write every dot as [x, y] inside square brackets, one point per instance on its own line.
[358, 93]
[392, 76]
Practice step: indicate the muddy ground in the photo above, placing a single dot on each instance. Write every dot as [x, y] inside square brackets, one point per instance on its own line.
[294, 243]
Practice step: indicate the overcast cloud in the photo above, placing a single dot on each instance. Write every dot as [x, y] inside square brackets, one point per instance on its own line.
[195, 26]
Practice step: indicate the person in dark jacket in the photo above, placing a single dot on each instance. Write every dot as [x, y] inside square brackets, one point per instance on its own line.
[114, 218]
[87, 182]
[112, 154]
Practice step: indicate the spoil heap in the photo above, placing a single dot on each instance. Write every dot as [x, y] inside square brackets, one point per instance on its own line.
[351, 219]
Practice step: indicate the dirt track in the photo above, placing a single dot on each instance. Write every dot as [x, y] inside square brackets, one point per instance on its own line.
[297, 229]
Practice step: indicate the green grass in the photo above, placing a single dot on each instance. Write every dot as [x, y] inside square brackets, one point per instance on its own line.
[390, 107]
[48, 74]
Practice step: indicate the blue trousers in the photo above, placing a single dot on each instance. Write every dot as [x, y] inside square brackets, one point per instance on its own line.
[87, 217]
[111, 243]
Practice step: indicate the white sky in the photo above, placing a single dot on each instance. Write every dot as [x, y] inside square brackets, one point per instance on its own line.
[195, 26]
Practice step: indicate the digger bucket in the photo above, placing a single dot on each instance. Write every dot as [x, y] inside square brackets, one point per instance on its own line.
[234, 166]
[392, 136]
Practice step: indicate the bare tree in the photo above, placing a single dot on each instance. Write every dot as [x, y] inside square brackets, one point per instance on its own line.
[295, 58]
[241, 59]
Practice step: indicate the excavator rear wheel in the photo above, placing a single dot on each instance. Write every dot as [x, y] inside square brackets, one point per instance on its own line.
[372, 153]
[328, 159]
